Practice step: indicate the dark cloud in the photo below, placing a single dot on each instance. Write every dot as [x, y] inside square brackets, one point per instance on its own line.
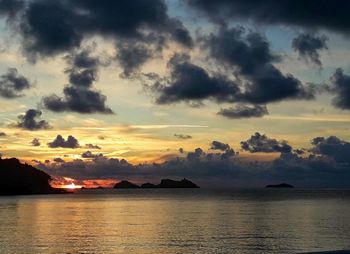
[132, 57]
[183, 136]
[83, 68]
[245, 54]
[196, 154]
[2, 134]
[12, 84]
[189, 82]
[58, 160]
[332, 147]
[79, 100]
[92, 146]
[79, 96]
[261, 143]
[35, 142]
[225, 148]
[243, 111]
[308, 47]
[341, 87]
[59, 141]
[48, 28]
[249, 56]
[330, 15]
[217, 145]
[30, 120]
[90, 155]
[10, 7]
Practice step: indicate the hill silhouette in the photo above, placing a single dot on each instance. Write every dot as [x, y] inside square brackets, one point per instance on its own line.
[164, 183]
[17, 178]
[125, 185]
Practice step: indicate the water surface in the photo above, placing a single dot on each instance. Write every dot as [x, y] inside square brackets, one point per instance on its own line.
[176, 221]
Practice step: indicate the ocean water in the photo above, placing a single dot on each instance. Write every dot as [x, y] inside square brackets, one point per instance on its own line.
[176, 221]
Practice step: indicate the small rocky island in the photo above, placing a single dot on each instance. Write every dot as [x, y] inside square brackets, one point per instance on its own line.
[125, 185]
[164, 183]
[17, 178]
[281, 185]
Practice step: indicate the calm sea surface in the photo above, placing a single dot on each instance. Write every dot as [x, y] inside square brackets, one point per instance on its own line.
[176, 221]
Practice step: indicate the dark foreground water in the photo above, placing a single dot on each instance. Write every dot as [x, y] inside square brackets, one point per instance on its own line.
[176, 221]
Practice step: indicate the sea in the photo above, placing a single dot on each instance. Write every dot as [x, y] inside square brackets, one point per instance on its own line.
[177, 221]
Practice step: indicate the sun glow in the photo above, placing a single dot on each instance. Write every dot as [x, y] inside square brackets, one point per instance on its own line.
[72, 186]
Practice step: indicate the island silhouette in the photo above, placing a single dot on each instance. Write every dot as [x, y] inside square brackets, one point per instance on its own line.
[281, 185]
[164, 183]
[17, 178]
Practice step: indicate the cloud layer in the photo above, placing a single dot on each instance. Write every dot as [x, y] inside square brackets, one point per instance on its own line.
[325, 166]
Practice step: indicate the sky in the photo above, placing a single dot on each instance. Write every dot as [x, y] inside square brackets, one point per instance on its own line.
[221, 92]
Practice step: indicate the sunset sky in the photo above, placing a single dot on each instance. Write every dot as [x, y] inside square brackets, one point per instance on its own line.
[246, 92]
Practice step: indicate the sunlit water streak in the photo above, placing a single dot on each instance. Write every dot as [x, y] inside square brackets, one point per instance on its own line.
[176, 221]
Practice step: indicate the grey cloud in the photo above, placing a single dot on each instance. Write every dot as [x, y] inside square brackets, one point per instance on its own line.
[35, 142]
[341, 87]
[243, 111]
[92, 146]
[248, 54]
[59, 141]
[308, 47]
[12, 84]
[261, 143]
[30, 120]
[183, 136]
[89, 154]
[79, 96]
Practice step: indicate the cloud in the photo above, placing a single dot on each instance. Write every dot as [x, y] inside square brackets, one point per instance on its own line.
[243, 111]
[12, 84]
[250, 57]
[79, 100]
[58, 160]
[217, 145]
[79, 96]
[89, 154]
[48, 28]
[183, 136]
[226, 148]
[255, 79]
[332, 147]
[341, 87]
[189, 82]
[84, 67]
[30, 121]
[35, 142]
[131, 56]
[91, 146]
[261, 143]
[288, 12]
[308, 47]
[316, 170]
[59, 141]
[10, 7]
[2, 134]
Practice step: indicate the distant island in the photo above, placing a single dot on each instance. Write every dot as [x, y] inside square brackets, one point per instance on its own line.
[125, 185]
[17, 178]
[164, 183]
[281, 185]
